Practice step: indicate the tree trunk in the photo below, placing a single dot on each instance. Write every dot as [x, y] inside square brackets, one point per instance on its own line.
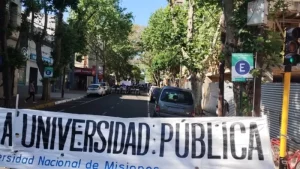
[40, 63]
[230, 44]
[221, 89]
[105, 77]
[196, 83]
[6, 74]
[46, 89]
[12, 79]
[58, 39]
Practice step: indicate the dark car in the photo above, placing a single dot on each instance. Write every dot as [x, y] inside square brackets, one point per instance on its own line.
[154, 94]
[174, 102]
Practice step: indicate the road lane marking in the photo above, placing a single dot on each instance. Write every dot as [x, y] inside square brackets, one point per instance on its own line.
[92, 100]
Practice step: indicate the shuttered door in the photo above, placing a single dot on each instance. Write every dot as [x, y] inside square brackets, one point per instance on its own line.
[272, 104]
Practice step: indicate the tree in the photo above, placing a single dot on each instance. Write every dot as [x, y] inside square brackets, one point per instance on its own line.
[108, 29]
[268, 44]
[59, 8]
[38, 35]
[6, 73]
[162, 42]
[176, 36]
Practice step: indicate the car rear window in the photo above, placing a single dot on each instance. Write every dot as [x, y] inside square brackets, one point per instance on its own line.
[93, 86]
[156, 90]
[177, 96]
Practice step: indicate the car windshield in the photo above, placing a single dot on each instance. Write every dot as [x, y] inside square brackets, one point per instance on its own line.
[177, 96]
[93, 86]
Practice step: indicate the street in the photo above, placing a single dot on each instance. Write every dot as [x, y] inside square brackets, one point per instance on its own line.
[126, 106]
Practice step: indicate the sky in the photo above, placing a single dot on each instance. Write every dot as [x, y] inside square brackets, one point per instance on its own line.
[141, 9]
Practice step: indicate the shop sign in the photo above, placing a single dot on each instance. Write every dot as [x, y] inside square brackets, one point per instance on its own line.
[84, 71]
[44, 58]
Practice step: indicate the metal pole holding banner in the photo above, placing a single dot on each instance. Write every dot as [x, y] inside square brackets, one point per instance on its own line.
[284, 116]
[241, 99]
[17, 102]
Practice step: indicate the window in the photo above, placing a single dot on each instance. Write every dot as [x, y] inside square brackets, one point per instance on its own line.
[177, 96]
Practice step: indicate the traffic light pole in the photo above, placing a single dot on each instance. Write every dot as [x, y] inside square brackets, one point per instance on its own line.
[284, 116]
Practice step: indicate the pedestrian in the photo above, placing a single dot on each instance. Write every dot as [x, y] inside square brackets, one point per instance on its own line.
[31, 91]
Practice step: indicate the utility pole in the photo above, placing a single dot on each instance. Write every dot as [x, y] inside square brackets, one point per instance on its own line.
[63, 83]
[284, 116]
[257, 80]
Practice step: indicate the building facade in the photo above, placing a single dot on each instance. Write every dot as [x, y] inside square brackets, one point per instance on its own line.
[30, 70]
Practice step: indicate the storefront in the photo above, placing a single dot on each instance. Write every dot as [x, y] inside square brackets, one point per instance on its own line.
[83, 77]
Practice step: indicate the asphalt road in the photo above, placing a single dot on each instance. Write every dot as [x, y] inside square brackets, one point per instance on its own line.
[126, 106]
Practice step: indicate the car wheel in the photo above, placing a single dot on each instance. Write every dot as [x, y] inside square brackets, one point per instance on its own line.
[151, 100]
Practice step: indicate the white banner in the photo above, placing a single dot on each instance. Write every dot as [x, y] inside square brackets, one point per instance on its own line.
[43, 140]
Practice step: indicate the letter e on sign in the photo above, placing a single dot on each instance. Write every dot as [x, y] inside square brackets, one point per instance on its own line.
[242, 67]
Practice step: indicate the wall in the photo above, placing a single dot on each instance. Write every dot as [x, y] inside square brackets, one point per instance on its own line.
[211, 94]
[46, 51]
[272, 104]
[31, 62]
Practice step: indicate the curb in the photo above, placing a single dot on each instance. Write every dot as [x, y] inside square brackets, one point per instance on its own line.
[68, 100]
[51, 104]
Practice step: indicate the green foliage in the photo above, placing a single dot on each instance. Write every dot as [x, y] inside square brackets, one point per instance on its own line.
[16, 58]
[200, 47]
[269, 43]
[106, 30]
[166, 36]
[163, 41]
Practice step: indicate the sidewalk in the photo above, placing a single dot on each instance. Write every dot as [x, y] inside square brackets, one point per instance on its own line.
[55, 99]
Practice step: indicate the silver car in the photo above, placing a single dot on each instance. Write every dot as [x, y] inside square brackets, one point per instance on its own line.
[174, 102]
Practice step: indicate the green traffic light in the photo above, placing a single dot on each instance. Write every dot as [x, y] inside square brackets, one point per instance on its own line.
[292, 60]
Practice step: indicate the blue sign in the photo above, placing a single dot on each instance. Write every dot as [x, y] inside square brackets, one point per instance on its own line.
[44, 58]
[242, 64]
[242, 67]
[48, 72]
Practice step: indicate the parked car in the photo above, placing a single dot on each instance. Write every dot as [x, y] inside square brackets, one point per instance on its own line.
[174, 102]
[95, 89]
[154, 94]
[151, 89]
[106, 87]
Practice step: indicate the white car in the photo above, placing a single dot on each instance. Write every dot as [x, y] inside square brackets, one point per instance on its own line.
[106, 87]
[95, 89]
